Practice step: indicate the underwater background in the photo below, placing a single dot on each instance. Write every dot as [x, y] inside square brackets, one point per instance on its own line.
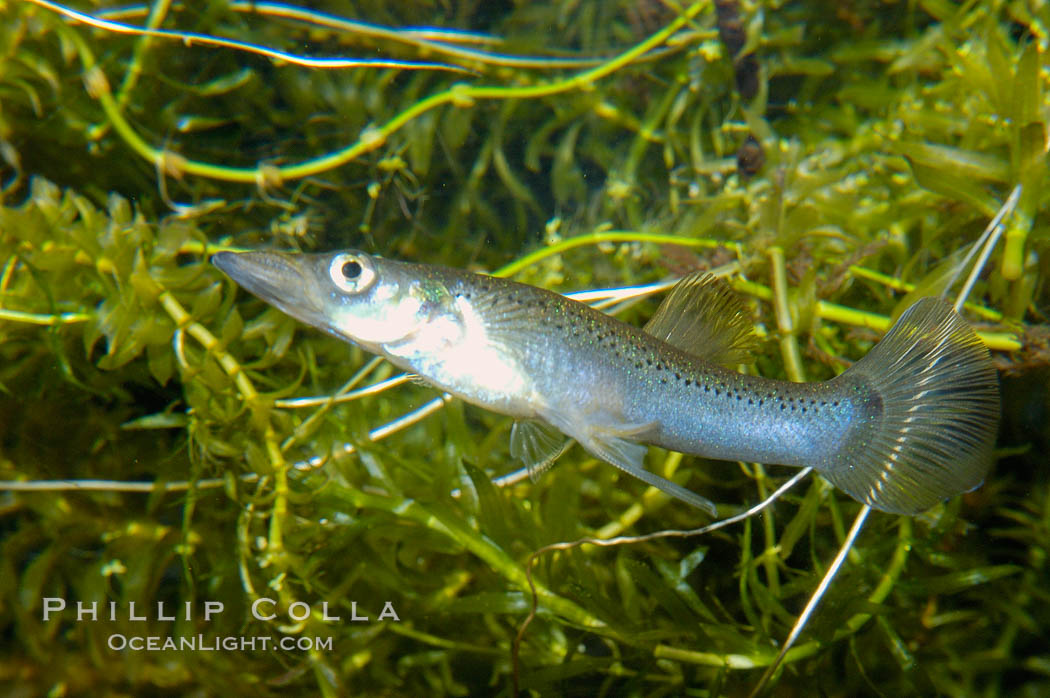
[157, 445]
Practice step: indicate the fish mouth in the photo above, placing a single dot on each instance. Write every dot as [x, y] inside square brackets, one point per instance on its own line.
[280, 279]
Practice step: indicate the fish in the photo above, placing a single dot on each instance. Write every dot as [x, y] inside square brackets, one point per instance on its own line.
[908, 425]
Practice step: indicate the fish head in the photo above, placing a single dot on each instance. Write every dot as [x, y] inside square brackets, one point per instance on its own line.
[357, 297]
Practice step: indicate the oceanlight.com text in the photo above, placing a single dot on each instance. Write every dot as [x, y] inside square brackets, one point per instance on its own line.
[230, 643]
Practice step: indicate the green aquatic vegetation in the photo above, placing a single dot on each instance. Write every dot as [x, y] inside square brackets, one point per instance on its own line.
[132, 369]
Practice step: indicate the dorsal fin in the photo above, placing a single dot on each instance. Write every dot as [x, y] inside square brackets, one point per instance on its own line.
[705, 317]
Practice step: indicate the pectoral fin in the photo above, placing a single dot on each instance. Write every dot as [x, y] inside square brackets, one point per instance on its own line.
[705, 317]
[537, 445]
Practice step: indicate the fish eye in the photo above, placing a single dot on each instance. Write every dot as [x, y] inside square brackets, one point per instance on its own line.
[351, 273]
[351, 270]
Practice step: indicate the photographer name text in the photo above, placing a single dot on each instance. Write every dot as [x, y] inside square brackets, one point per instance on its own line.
[264, 609]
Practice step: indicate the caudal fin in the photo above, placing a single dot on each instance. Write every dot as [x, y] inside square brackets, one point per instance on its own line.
[934, 398]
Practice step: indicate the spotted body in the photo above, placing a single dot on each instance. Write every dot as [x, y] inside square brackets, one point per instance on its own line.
[910, 424]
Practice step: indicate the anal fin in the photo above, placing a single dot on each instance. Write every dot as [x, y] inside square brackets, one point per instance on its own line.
[611, 446]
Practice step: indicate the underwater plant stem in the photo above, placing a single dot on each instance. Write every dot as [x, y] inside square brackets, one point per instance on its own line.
[889, 576]
[769, 531]
[107, 485]
[443, 643]
[610, 236]
[372, 137]
[833, 312]
[190, 38]
[643, 138]
[279, 515]
[184, 321]
[1013, 253]
[808, 649]
[1023, 291]
[98, 87]
[788, 341]
[244, 553]
[325, 404]
[815, 599]
[427, 40]
[456, 530]
[987, 243]
[157, 12]
[661, 651]
[1027, 204]
[345, 394]
[896, 284]
[47, 320]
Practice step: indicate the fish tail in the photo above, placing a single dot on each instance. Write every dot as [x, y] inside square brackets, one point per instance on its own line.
[931, 414]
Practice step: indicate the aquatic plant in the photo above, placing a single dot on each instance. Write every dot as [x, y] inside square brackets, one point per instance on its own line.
[593, 144]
